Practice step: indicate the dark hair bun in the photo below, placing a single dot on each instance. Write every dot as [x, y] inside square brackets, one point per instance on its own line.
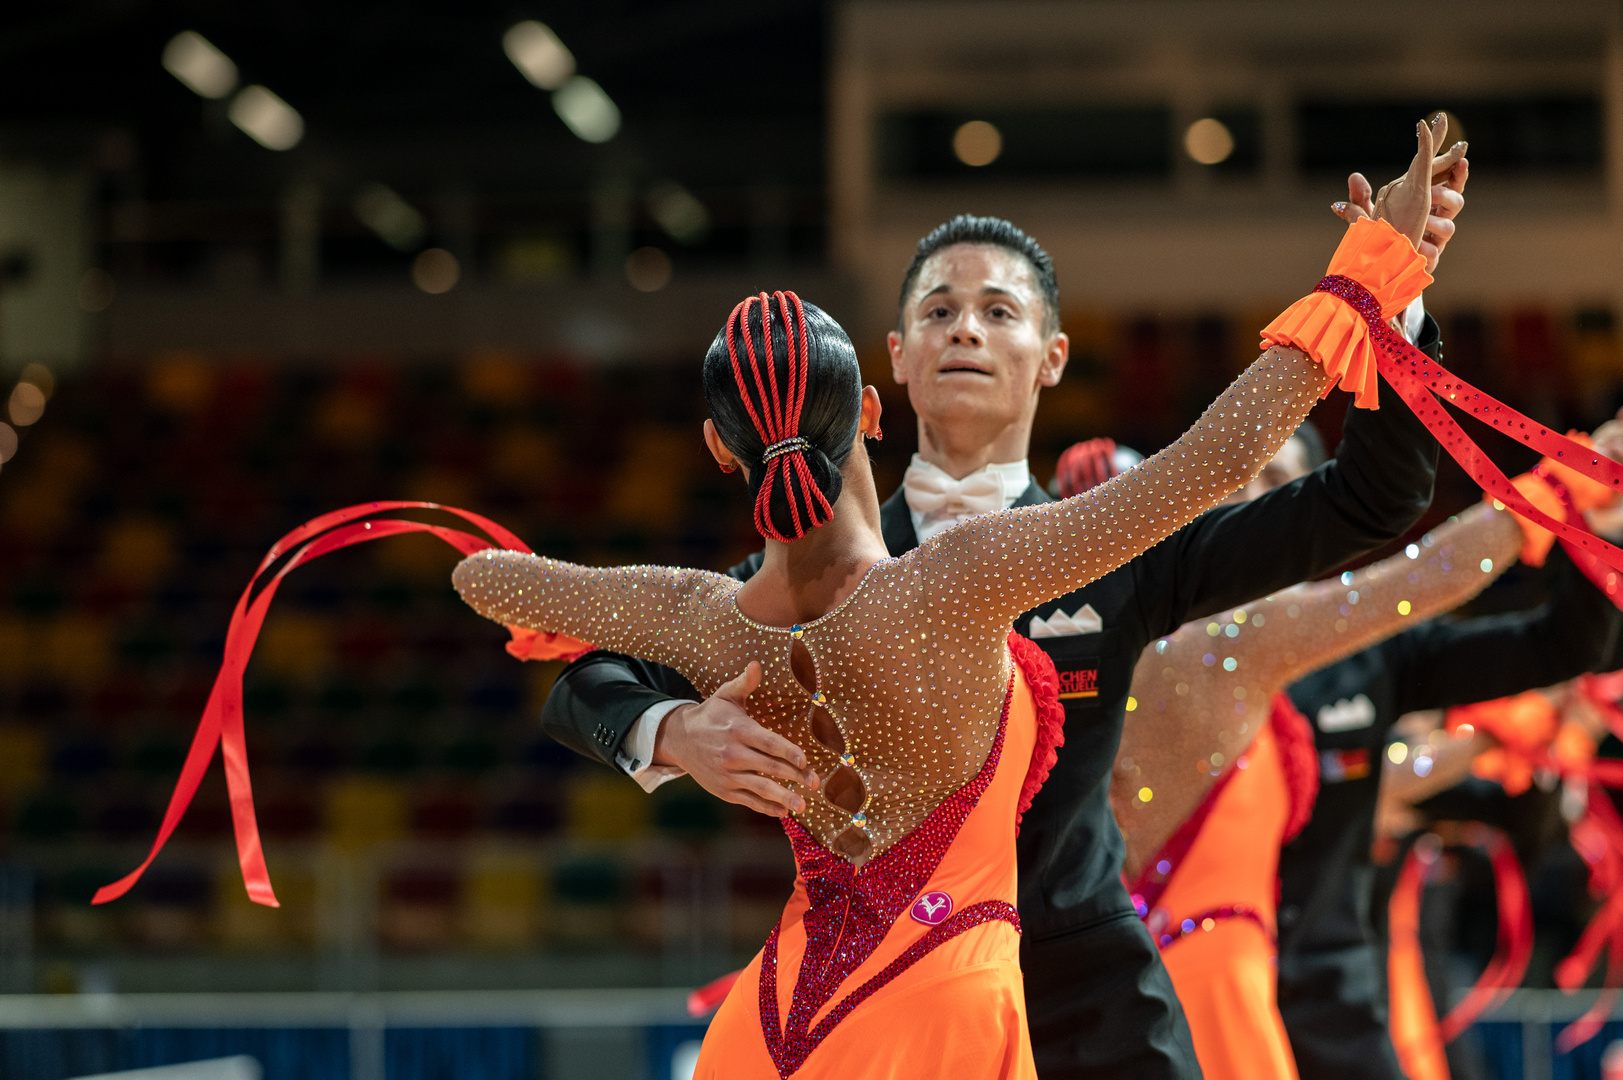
[785, 393]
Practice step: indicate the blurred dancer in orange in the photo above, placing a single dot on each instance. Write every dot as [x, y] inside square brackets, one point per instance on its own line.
[1218, 767]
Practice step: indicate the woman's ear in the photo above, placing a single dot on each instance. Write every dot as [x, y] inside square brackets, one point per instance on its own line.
[868, 424]
[718, 449]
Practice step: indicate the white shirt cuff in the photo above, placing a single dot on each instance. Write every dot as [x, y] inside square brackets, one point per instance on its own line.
[637, 749]
[1414, 319]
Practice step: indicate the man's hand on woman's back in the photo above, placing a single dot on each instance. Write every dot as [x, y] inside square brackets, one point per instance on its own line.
[720, 745]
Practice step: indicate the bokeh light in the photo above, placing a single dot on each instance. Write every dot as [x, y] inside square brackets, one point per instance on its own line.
[587, 110]
[26, 404]
[193, 59]
[977, 143]
[266, 118]
[648, 269]
[1208, 141]
[436, 271]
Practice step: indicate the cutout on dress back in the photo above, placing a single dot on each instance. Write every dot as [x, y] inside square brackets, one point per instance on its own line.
[853, 843]
[845, 789]
[802, 667]
[826, 731]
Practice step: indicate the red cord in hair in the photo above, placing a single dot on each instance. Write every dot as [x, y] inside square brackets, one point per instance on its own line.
[778, 419]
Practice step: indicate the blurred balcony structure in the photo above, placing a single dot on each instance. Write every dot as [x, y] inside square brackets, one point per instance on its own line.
[1093, 100]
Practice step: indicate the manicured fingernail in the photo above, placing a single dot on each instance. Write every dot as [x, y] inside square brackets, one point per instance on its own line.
[1418, 128]
[1338, 207]
[1436, 118]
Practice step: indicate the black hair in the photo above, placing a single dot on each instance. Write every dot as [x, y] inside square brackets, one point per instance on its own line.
[969, 229]
[757, 392]
[1312, 445]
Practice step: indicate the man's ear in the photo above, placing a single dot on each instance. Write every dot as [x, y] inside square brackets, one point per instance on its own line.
[898, 369]
[718, 449]
[868, 425]
[1055, 357]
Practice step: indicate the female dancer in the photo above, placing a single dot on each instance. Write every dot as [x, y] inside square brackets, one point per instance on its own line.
[1218, 769]
[898, 676]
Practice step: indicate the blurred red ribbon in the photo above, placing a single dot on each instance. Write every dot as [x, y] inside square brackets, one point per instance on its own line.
[222, 724]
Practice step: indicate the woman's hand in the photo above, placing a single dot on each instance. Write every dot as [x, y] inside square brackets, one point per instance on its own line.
[1423, 203]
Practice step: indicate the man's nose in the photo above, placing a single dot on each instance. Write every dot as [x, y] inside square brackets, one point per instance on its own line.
[967, 331]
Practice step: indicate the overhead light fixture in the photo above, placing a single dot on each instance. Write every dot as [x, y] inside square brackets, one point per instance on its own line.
[538, 54]
[1208, 141]
[587, 111]
[193, 59]
[396, 221]
[679, 212]
[266, 118]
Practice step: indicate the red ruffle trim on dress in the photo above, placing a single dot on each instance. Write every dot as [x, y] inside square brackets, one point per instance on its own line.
[1040, 675]
[1298, 759]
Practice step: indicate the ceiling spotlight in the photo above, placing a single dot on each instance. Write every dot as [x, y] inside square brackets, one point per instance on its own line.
[193, 59]
[266, 118]
[977, 143]
[395, 220]
[679, 212]
[538, 54]
[1208, 141]
[589, 112]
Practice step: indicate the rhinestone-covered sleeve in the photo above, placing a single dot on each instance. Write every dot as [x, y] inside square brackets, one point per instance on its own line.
[1019, 558]
[657, 613]
[1200, 694]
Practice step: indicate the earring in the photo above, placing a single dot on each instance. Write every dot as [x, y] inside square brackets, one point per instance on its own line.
[878, 435]
[729, 468]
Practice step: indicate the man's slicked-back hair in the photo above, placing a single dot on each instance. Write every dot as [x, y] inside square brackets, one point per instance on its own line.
[969, 229]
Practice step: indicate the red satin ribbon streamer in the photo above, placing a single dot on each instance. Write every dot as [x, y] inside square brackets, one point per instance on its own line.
[1599, 838]
[1514, 947]
[1417, 1034]
[1412, 1015]
[1421, 383]
[222, 716]
[708, 998]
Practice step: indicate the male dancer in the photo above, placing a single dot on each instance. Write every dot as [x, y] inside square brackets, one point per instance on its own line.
[977, 337]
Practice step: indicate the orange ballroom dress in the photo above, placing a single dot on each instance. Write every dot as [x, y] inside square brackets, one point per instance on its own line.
[1214, 915]
[938, 979]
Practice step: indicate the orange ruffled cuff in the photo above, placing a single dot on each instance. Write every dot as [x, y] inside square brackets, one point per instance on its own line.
[1524, 726]
[530, 644]
[1586, 495]
[1382, 260]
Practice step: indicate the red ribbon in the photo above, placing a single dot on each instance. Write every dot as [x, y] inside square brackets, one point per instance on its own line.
[222, 716]
[1514, 947]
[1421, 383]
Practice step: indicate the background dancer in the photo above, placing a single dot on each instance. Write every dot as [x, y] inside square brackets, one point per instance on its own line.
[1202, 881]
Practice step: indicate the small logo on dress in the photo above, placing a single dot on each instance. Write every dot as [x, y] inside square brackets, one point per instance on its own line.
[932, 908]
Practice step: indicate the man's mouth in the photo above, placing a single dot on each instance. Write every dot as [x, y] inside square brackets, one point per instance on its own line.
[959, 365]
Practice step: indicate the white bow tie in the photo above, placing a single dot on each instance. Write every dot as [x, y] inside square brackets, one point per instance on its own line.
[930, 491]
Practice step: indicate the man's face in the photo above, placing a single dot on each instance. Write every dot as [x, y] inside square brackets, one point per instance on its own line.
[973, 348]
[1290, 463]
